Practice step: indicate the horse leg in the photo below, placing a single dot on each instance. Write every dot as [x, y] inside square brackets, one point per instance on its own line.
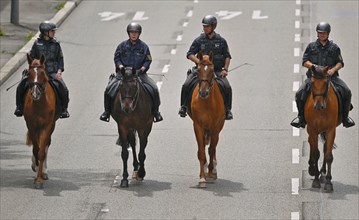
[43, 141]
[212, 174]
[142, 155]
[323, 170]
[44, 171]
[132, 142]
[313, 157]
[201, 154]
[328, 157]
[124, 156]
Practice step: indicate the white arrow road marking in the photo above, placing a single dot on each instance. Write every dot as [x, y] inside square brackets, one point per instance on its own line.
[226, 15]
[257, 15]
[139, 16]
[108, 16]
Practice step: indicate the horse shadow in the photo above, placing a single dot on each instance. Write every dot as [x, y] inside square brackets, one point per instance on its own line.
[59, 180]
[145, 188]
[340, 192]
[223, 188]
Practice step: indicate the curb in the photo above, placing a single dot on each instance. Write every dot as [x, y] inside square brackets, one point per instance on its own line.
[20, 57]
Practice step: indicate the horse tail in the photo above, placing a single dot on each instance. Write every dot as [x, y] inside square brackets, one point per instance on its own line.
[323, 139]
[207, 137]
[28, 139]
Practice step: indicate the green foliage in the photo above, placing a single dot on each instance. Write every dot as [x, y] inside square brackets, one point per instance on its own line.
[2, 33]
[60, 6]
[29, 36]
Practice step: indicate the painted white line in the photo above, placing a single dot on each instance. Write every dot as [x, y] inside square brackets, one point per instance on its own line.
[296, 52]
[295, 156]
[159, 84]
[195, 1]
[166, 68]
[179, 38]
[294, 106]
[294, 216]
[297, 12]
[297, 37]
[298, 2]
[173, 51]
[185, 24]
[139, 16]
[296, 68]
[257, 15]
[297, 24]
[190, 13]
[295, 86]
[295, 132]
[295, 186]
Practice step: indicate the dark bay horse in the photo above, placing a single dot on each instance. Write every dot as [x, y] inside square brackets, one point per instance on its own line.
[207, 113]
[133, 113]
[321, 115]
[40, 116]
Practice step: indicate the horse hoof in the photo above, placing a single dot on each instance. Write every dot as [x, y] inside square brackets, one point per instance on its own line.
[202, 185]
[38, 185]
[134, 175]
[316, 184]
[211, 178]
[328, 187]
[124, 183]
[45, 176]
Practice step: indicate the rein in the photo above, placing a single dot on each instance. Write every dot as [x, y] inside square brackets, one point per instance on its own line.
[323, 94]
[41, 86]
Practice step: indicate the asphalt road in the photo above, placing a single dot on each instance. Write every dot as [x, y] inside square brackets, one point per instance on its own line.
[260, 175]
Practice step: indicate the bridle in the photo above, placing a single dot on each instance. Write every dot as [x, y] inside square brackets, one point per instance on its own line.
[325, 93]
[135, 97]
[41, 86]
[209, 81]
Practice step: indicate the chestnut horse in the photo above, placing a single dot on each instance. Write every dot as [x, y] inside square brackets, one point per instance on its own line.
[207, 112]
[321, 115]
[40, 116]
[133, 113]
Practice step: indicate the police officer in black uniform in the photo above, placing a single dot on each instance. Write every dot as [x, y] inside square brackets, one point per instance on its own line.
[207, 42]
[48, 46]
[323, 52]
[132, 53]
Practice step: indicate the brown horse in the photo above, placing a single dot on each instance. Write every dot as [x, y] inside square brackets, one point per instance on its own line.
[40, 116]
[207, 113]
[133, 113]
[321, 114]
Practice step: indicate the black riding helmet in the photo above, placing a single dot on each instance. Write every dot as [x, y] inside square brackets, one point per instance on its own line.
[323, 27]
[210, 20]
[134, 27]
[47, 26]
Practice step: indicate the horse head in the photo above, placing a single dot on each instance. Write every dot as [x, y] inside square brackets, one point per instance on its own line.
[37, 76]
[129, 89]
[205, 74]
[319, 86]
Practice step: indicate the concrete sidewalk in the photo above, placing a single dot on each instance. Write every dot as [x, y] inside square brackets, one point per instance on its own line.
[17, 40]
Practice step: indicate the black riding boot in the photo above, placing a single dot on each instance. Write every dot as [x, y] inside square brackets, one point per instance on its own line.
[228, 107]
[156, 105]
[183, 109]
[299, 121]
[106, 115]
[347, 121]
[20, 92]
[65, 104]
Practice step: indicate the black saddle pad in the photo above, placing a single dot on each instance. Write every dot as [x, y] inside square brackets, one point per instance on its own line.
[56, 86]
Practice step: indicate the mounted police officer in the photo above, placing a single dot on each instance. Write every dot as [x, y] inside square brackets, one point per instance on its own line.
[207, 42]
[132, 53]
[48, 46]
[323, 52]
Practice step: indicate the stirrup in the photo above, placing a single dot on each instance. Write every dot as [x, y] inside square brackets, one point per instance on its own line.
[105, 116]
[348, 122]
[158, 117]
[18, 112]
[298, 123]
[229, 115]
[183, 111]
[64, 114]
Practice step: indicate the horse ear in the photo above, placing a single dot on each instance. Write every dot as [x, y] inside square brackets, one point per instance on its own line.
[211, 56]
[42, 59]
[29, 59]
[134, 72]
[325, 69]
[200, 55]
[122, 71]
